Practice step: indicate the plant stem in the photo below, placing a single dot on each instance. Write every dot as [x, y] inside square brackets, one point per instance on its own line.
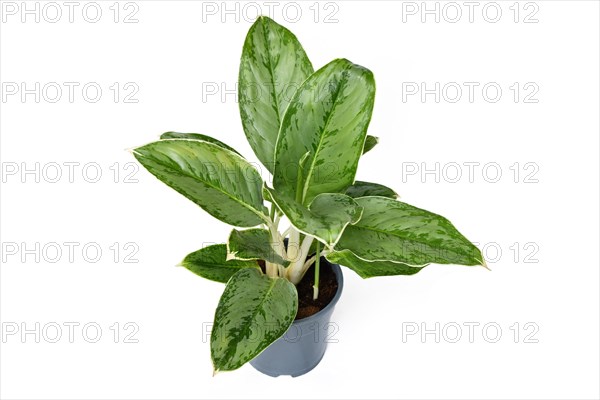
[273, 270]
[297, 269]
[293, 246]
[317, 270]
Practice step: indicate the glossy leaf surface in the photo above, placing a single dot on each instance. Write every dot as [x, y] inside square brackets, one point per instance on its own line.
[218, 180]
[253, 312]
[211, 263]
[325, 218]
[369, 269]
[253, 244]
[390, 230]
[370, 143]
[196, 136]
[361, 189]
[272, 68]
[328, 118]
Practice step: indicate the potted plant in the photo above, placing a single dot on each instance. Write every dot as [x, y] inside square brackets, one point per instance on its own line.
[309, 129]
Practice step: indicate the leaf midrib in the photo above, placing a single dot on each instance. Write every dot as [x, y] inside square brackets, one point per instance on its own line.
[270, 68]
[342, 83]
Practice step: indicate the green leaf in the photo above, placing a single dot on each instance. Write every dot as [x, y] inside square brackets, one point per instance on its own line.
[218, 180]
[272, 68]
[328, 117]
[325, 218]
[370, 142]
[211, 263]
[196, 136]
[267, 194]
[253, 312]
[253, 244]
[362, 189]
[390, 230]
[369, 269]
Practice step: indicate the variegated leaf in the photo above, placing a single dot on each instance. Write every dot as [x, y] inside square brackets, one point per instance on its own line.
[370, 143]
[361, 189]
[272, 68]
[253, 312]
[211, 263]
[196, 136]
[328, 118]
[325, 218]
[369, 269]
[218, 180]
[254, 244]
[390, 230]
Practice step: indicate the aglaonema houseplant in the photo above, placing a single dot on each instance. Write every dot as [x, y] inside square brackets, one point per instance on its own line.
[309, 129]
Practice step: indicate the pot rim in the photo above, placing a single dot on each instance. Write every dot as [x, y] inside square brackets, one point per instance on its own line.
[337, 270]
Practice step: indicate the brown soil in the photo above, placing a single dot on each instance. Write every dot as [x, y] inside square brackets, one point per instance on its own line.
[327, 289]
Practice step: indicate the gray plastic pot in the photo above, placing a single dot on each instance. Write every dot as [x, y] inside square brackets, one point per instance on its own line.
[304, 344]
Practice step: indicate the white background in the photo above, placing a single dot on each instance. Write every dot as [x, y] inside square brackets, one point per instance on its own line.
[173, 54]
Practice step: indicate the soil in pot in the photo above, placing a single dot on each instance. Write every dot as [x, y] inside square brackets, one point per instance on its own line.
[327, 289]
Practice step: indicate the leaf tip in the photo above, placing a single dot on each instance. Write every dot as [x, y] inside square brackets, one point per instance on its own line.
[263, 19]
[484, 265]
